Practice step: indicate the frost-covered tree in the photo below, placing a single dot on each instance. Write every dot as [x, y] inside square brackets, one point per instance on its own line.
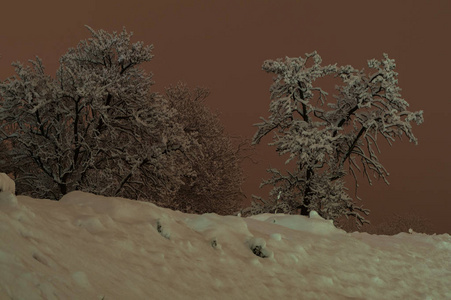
[95, 126]
[217, 178]
[328, 138]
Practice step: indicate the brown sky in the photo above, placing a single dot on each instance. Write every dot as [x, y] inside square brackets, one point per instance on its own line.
[222, 44]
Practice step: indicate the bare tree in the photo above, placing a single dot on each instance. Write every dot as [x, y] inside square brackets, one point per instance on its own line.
[217, 176]
[95, 126]
[329, 139]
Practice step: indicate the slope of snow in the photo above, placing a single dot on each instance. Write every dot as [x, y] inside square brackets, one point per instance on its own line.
[93, 247]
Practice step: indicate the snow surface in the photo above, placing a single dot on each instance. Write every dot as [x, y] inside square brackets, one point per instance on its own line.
[93, 247]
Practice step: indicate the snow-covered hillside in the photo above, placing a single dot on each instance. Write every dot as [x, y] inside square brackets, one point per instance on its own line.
[93, 247]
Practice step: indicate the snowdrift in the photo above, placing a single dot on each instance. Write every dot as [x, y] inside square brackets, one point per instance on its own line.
[93, 247]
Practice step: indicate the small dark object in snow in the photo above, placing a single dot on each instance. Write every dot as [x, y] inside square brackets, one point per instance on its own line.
[258, 251]
[160, 231]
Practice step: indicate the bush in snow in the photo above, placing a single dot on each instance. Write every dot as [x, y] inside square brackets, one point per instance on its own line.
[327, 140]
[95, 126]
[215, 183]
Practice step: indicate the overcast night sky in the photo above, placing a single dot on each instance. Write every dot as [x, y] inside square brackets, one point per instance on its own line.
[222, 45]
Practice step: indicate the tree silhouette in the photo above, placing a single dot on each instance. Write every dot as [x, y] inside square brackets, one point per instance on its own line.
[95, 127]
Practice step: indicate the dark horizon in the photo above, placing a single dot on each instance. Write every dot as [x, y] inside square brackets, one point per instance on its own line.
[221, 45]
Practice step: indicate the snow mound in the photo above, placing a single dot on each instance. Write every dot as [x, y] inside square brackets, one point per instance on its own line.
[7, 184]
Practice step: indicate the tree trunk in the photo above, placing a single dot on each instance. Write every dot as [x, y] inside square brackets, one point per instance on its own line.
[63, 188]
[307, 194]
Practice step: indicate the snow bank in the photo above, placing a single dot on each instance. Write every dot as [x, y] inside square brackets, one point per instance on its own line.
[314, 223]
[93, 247]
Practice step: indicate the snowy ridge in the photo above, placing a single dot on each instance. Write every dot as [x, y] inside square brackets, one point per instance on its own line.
[93, 247]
